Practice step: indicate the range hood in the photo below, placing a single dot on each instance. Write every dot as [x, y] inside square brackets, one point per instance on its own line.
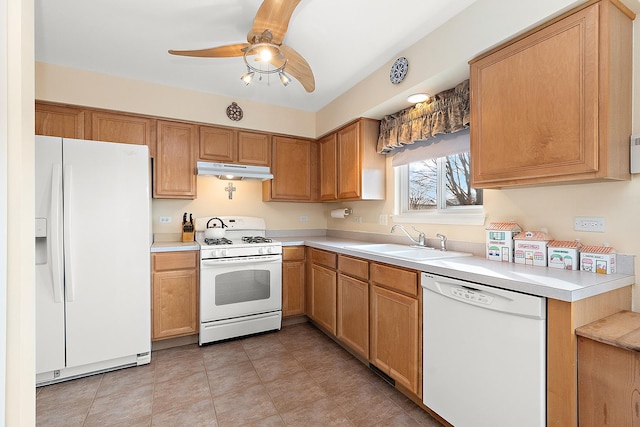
[231, 171]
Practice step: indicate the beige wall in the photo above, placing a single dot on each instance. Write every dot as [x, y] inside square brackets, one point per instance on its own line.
[213, 199]
[19, 393]
[80, 87]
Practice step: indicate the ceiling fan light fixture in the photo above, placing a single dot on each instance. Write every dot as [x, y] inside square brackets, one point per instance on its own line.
[248, 77]
[284, 79]
[265, 55]
[417, 97]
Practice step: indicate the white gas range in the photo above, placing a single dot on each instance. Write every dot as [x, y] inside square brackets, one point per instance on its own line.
[240, 279]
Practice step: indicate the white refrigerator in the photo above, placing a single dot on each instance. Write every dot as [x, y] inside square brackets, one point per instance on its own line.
[93, 237]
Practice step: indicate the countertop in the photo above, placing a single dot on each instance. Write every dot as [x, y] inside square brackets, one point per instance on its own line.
[564, 285]
[174, 246]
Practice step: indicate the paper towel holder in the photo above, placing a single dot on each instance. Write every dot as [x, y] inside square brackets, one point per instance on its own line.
[348, 211]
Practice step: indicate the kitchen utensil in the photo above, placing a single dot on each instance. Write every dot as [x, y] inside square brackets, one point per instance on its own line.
[213, 231]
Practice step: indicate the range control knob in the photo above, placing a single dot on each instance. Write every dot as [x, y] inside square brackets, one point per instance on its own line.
[261, 251]
[223, 252]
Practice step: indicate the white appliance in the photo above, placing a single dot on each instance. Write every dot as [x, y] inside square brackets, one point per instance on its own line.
[484, 354]
[240, 279]
[92, 267]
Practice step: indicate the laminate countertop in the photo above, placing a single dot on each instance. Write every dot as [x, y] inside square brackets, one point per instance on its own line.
[174, 246]
[564, 285]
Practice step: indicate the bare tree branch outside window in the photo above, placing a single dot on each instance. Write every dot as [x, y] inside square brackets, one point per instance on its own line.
[423, 183]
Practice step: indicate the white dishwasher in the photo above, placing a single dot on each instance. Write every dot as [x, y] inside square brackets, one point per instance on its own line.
[484, 354]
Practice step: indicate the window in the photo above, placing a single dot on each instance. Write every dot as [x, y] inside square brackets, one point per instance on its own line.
[437, 189]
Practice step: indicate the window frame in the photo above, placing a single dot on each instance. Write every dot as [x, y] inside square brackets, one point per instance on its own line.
[441, 214]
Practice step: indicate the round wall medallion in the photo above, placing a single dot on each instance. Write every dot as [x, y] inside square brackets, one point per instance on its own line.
[399, 70]
[234, 112]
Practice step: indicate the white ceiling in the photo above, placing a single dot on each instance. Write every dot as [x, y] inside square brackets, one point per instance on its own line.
[342, 40]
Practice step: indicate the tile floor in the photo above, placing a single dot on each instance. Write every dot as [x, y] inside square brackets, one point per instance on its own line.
[294, 377]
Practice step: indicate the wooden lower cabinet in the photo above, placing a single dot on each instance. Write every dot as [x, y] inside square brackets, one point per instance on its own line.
[293, 277]
[395, 336]
[322, 289]
[174, 294]
[608, 377]
[353, 314]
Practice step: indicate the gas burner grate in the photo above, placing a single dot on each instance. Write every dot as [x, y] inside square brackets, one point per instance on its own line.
[256, 239]
[221, 241]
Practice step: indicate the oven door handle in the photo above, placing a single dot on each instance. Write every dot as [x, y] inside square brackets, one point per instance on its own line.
[221, 262]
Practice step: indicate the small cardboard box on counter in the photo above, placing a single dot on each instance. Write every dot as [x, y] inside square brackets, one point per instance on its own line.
[598, 259]
[531, 248]
[500, 240]
[564, 254]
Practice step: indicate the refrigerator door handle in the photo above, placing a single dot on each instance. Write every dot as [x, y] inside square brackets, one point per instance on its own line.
[67, 233]
[55, 241]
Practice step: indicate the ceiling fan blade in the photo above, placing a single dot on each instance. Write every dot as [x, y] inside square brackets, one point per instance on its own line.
[299, 68]
[214, 52]
[273, 15]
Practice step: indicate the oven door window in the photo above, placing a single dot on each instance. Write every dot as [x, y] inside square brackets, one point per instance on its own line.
[242, 286]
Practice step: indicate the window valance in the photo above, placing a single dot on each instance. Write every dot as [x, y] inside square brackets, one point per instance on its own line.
[446, 112]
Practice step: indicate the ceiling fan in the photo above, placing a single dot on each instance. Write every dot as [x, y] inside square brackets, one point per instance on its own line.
[265, 41]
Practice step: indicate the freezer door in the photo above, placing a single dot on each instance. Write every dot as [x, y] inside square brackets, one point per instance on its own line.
[107, 243]
[50, 347]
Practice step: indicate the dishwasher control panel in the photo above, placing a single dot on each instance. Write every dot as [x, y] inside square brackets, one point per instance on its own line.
[471, 295]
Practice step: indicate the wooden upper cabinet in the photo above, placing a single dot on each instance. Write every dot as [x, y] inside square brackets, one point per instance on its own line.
[555, 104]
[218, 144]
[350, 168]
[123, 128]
[254, 148]
[328, 173]
[227, 145]
[292, 165]
[174, 173]
[58, 120]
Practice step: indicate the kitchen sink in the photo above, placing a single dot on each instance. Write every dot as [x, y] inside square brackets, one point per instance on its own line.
[419, 254]
[412, 253]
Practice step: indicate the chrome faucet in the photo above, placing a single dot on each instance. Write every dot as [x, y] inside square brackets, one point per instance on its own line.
[443, 241]
[419, 242]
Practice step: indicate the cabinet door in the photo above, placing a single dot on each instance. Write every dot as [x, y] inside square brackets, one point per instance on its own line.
[55, 120]
[292, 288]
[291, 168]
[123, 128]
[175, 303]
[328, 171]
[349, 162]
[174, 174]
[395, 335]
[534, 111]
[353, 314]
[217, 144]
[254, 148]
[323, 297]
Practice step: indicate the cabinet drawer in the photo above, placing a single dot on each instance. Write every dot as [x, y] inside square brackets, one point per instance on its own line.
[165, 261]
[327, 259]
[292, 253]
[395, 278]
[353, 267]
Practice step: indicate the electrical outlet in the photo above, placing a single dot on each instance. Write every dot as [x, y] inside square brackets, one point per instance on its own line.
[304, 218]
[383, 220]
[583, 223]
[358, 219]
[165, 220]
